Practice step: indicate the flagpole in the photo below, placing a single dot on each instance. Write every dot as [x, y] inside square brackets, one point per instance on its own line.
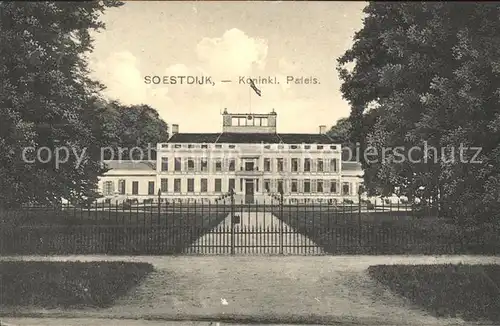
[250, 98]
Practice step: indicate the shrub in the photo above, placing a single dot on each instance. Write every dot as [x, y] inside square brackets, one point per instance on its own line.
[467, 291]
[67, 284]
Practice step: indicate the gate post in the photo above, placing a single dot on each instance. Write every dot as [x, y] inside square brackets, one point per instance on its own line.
[281, 221]
[360, 229]
[231, 194]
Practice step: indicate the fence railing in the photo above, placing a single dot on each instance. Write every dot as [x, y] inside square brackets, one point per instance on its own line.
[226, 226]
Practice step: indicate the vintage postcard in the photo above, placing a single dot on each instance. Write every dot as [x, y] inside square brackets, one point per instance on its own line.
[249, 162]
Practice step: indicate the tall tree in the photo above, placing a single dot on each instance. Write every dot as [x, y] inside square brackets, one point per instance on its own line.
[342, 132]
[47, 100]
[132, 128]
[433, 70]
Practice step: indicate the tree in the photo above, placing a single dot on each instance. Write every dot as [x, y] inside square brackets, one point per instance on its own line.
[48, 100]
[130, 128]
[342, 133]
[432, 70]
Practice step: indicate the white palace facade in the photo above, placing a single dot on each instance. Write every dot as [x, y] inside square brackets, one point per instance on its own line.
[248, 156]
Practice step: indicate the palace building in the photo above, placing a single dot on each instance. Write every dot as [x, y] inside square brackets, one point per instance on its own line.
[248, 156]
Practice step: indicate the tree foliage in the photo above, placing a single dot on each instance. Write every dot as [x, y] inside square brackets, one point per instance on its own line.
[429, 72]
[132, 130]
[47, 99]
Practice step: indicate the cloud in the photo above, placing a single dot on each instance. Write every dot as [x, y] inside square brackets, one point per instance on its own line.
[197, 107]
[233, 54]
[124, 81]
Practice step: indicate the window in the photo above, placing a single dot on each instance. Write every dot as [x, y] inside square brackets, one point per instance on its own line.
[121, 186]
[190, 164]
[135, 187]
[164, 185]
[345, 189]
[267, 185]
[319, 186]
[190, 146]
[319, 147]
[307, 165]
[280, 164]
[333, 147]
[232, 185]
[218, 185]
[190, 185]
[307, 185]
[333, 186]
[294, 147]
[177, 165]
[231, 146]
[333, 165]
[267, 164]
[295, 164]
[151, 188]
[218, 165]
[307, 146]
[320, 166]
[204, 165]
[294, 185]
[108, 188]
[204, 185]
[204, 146]
[164, 163]
[177, 146]
[280, 186]
[177, 185]
[263, 122]
[248, 166]
[235, 122]
[218, 146]
[232, 165]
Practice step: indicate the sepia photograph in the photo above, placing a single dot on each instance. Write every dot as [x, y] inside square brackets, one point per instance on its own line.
[249, 163]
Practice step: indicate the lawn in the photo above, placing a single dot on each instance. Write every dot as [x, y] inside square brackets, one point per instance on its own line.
[470, 292]
[110, 216]
[67, 284]
[393, 232]
[126, 232]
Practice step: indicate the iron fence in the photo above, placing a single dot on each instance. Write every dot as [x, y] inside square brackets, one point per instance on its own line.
[229, 227]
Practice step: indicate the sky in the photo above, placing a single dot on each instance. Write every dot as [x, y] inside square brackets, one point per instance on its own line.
[226, 41]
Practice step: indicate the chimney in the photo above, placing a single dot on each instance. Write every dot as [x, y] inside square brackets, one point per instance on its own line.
[175, 129]
[322, 129]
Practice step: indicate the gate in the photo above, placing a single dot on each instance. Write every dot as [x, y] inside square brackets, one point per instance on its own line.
[276, 226]
[254, 229]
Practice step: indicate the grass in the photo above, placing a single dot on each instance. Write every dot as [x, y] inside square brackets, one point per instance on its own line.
[193, 216]
[470, 292]
[136, 230]
[67, 284]
[393, 232]
[48, 231]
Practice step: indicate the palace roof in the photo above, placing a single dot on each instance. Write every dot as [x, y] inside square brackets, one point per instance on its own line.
[252, 138]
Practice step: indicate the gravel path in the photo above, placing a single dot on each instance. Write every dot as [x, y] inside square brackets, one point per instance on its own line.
[290, 289]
